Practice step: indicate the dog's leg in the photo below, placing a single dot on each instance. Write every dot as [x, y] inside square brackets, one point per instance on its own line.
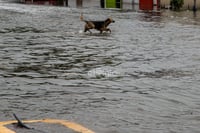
[88, 26]
[102, 29]
[107, 29]
[90, 31]
[86, 29]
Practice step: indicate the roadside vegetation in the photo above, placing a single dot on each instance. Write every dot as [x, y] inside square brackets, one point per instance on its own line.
[176, 4]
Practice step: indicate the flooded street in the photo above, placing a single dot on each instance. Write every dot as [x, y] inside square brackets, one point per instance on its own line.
[144, 77]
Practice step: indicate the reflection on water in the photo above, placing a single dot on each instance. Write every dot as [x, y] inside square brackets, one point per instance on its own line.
[143, 77]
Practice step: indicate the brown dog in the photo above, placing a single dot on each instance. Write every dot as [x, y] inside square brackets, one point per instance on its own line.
[98, 25]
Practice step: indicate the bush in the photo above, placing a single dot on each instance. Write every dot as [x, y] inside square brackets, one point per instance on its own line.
[176, 4]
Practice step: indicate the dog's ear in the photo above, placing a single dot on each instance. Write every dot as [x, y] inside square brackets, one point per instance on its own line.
[109, 20]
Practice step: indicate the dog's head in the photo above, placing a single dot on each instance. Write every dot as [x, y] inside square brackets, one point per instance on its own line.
[108, 21]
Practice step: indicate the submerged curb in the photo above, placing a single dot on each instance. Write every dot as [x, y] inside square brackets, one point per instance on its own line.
[71, 125]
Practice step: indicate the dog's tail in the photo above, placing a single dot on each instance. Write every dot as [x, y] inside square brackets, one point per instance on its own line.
[81, 17]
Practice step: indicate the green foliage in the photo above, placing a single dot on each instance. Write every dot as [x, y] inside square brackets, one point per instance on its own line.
[176, 4]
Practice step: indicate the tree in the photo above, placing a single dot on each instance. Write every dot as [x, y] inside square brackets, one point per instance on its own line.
[176, 4]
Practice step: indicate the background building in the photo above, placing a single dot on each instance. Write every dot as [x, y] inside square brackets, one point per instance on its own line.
[132, 4]
[188, 4]
[125, 4]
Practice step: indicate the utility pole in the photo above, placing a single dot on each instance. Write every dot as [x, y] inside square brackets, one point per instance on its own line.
[65, 2]
[195, 6]
[158, 4]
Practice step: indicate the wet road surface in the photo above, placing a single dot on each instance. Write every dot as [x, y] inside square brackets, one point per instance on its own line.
[144, 77]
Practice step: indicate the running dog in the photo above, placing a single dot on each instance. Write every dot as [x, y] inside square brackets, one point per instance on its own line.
[98, 25]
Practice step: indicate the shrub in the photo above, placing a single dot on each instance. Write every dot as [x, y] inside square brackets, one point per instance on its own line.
[176, 4]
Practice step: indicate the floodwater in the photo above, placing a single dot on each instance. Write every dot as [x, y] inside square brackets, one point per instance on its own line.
[144, 77]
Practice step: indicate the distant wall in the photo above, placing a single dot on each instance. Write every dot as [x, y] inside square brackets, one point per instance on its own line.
[134, 4]
[137, 1]
[188, 4]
